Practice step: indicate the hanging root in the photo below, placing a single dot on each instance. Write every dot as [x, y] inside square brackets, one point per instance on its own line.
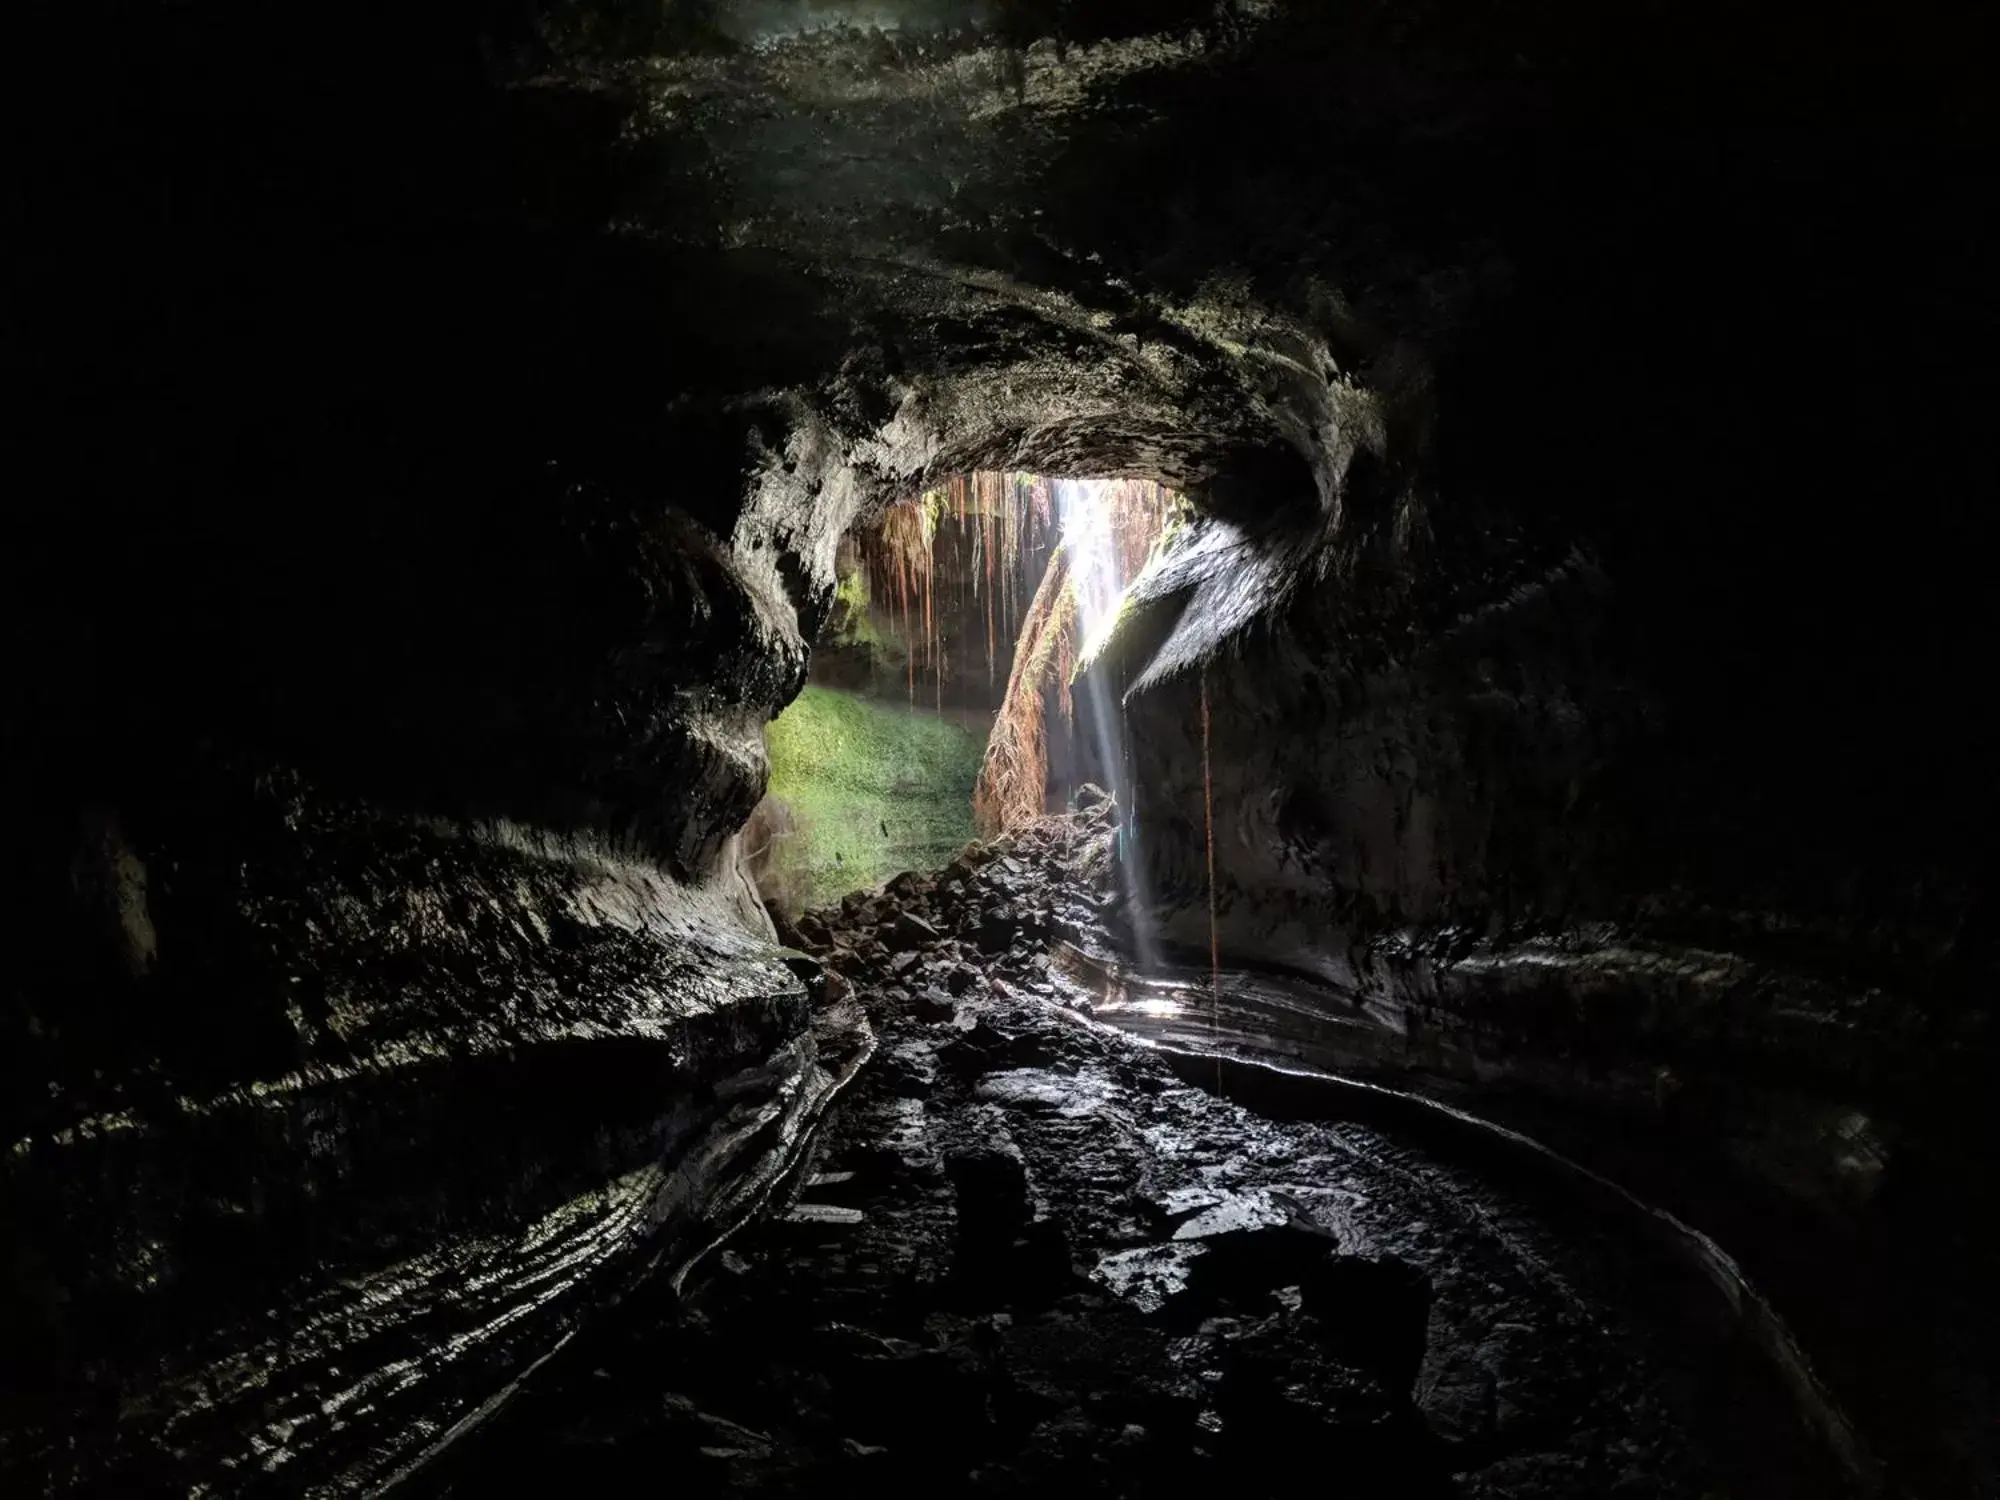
[1015, 774]
[1000, 523]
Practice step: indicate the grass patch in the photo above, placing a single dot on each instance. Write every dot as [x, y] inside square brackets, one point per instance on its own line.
[873, 790]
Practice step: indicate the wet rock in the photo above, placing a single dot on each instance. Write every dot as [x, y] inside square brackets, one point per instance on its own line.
[1243, 1267]
[905, 963]
[1149, 1276]
[1232, 1212]
[933, 1004]
[1494, 1390]
[982, 1047]
[990, 1188]
[997, 930]
[978, 1048]
[1275, 1397]
[1000, 1155]
[910, 931]
[1373, 1313]
[1037, 1091]
[961, 979]
[1027, 1090]
[911, 1072]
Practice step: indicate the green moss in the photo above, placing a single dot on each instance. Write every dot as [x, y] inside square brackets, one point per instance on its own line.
[852, 625]
[873, 790]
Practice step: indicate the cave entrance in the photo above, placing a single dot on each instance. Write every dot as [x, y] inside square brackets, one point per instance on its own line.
[941, 705]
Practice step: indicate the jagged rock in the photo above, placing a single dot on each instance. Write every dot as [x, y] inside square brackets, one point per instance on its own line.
[910, 931]
[911, 1072]
[961, 979]
[1031, 1090]
[906, 963]
[990, 1191]
[1373, 1312]
[934, 1004]
[507, 614]
[996, 930]
[1241, 1268]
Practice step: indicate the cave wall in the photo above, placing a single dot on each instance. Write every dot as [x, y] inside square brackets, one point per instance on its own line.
[446, 469]
[443, 426]
[388, 1105]
[1595, 729]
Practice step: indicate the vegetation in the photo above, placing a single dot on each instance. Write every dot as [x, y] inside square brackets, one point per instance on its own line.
[1013, 776]
[1110, 531]
[851, 624]
[871, 791]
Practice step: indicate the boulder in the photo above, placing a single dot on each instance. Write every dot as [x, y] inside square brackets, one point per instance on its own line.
[933, 1004]
[990, 1190]
[1374, 1313]
[1089, 796]
[997, 930]
[910, 931]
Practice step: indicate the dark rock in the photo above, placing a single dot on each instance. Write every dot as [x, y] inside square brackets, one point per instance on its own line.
[1275, 1397]
[904, 963]
[961, 979]
[1089, 796]
[990, 1187]
[933, 1004]
[974, 1050]
[1372, 1312]
[597, 665]
[912, 1074]
[910, 931]
[996, 930]
[1029, 1090]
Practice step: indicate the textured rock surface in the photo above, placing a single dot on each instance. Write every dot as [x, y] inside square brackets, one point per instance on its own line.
[460, 429]
[1065, 1268]
[399, 1105]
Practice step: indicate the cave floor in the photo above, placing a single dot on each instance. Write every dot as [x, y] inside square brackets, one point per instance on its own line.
[1024, 1252]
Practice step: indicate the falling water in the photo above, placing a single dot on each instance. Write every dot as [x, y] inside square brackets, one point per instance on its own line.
[1208, 827]
[1098, 577]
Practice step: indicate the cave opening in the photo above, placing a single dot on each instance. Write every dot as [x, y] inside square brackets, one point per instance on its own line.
[973, 746]
[941, 703]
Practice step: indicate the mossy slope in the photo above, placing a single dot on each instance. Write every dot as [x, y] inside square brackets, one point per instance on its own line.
[873, 790]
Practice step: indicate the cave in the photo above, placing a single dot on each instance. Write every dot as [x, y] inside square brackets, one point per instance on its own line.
[621, 874]
[941, 699]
